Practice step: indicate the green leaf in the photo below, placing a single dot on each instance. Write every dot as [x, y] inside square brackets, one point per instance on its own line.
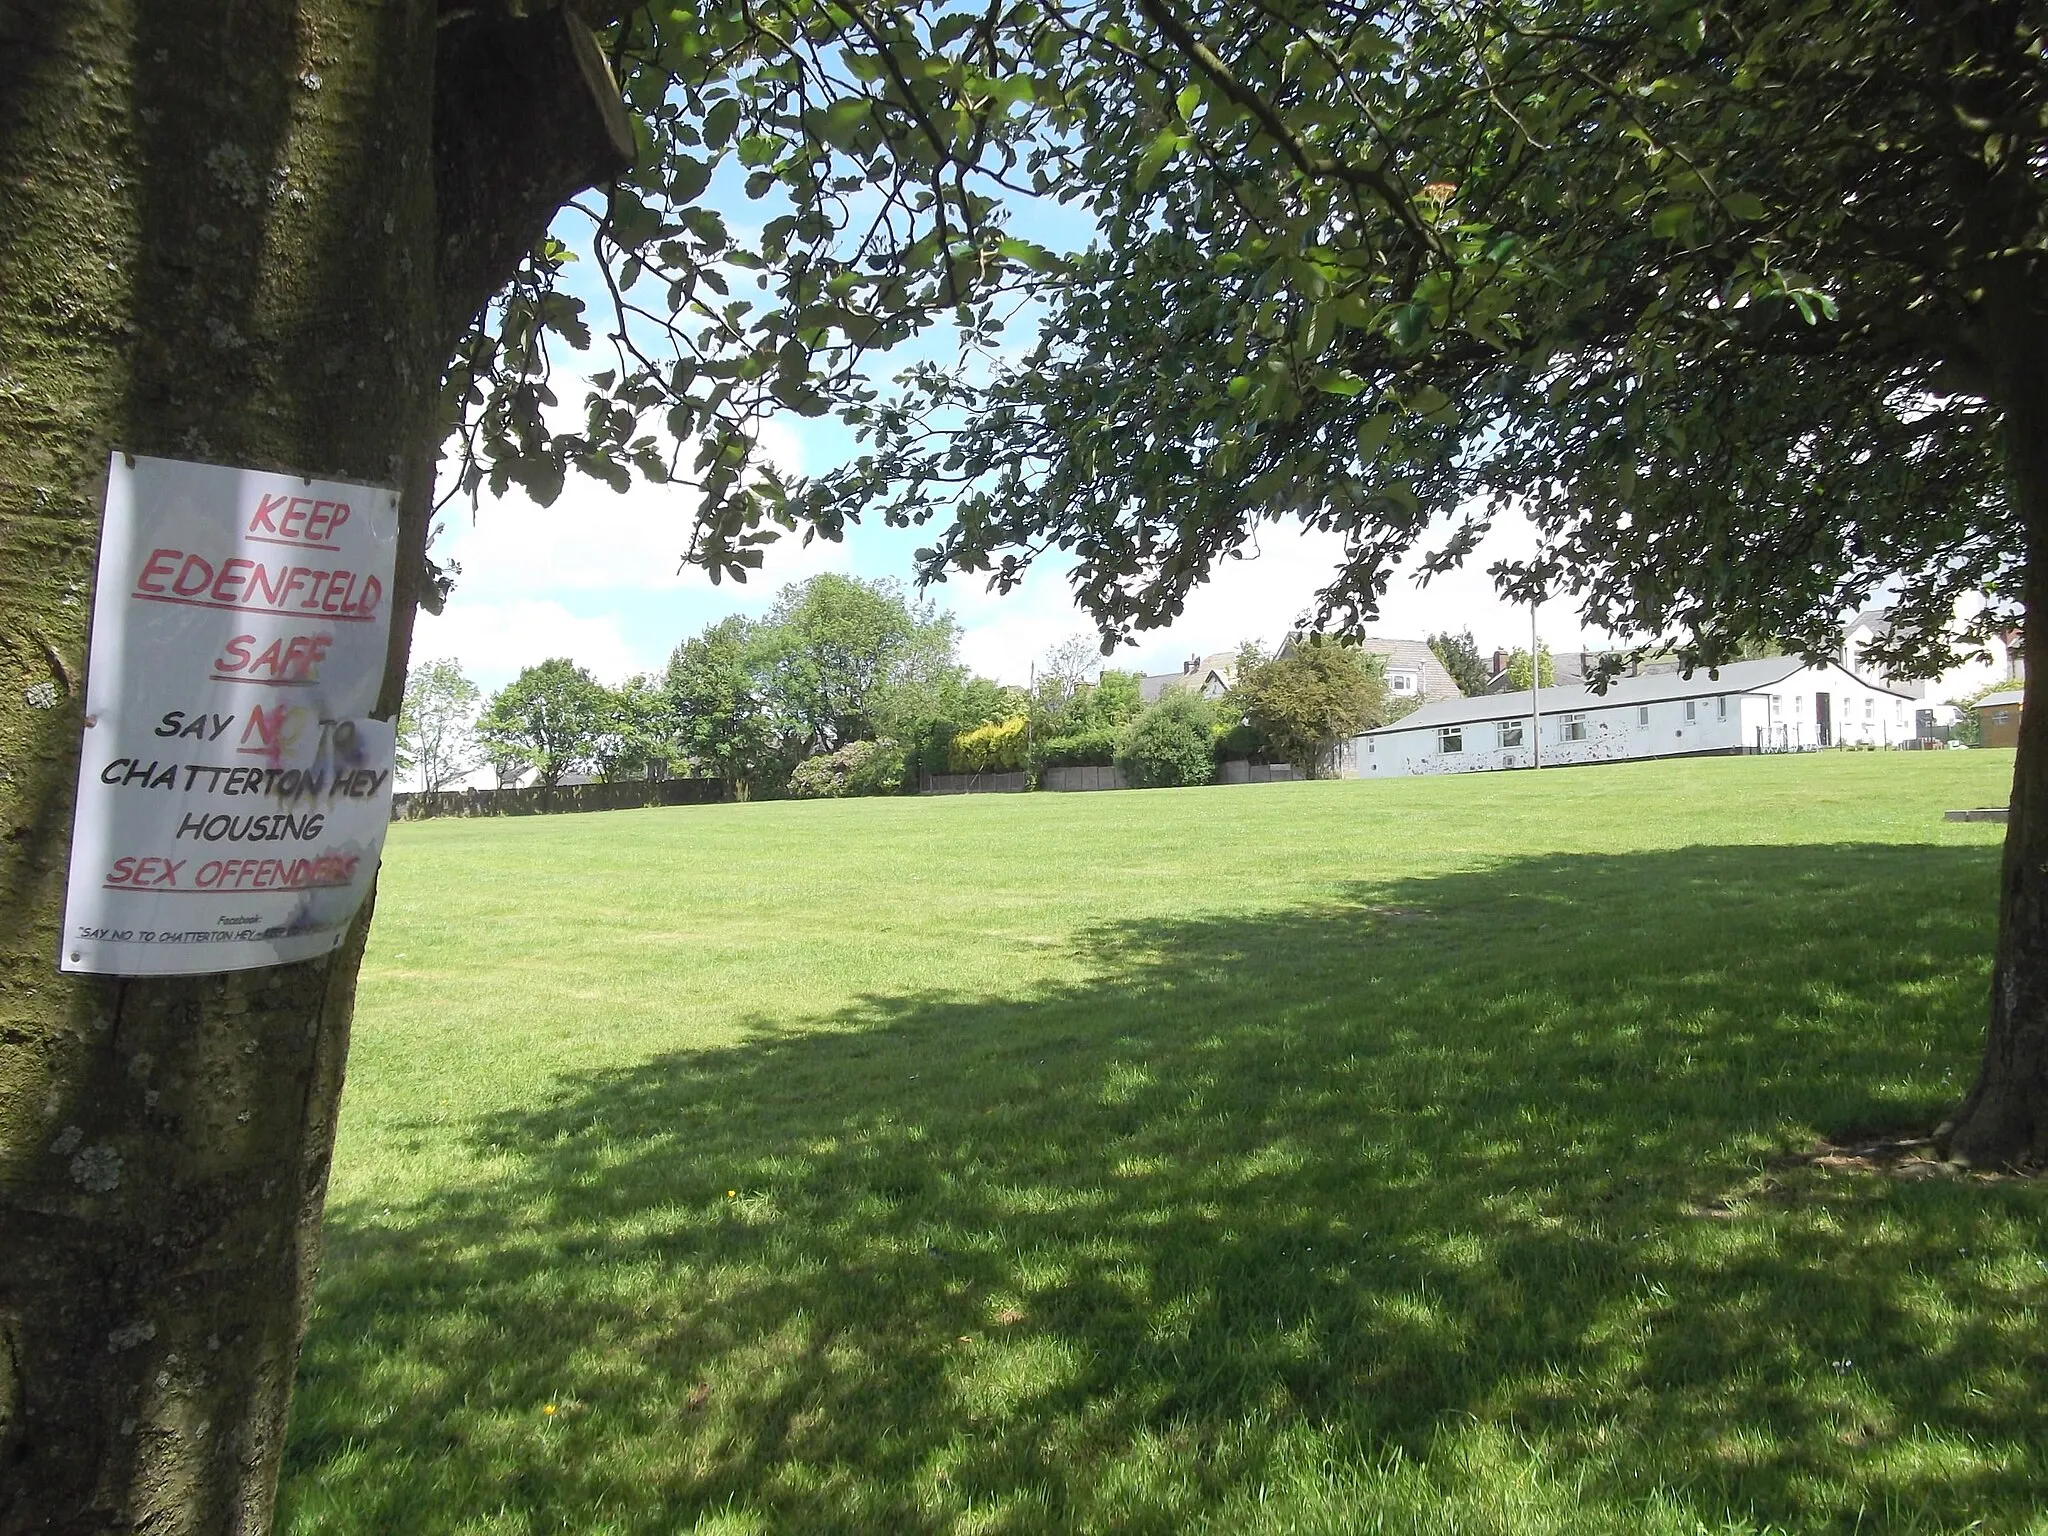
[720, 122]
[1407, 324]
[688, 177]
[1034, 256]
[1743, 205]
[1157, 153]
[1671, 221]
[1189, 98]
[1373, 433]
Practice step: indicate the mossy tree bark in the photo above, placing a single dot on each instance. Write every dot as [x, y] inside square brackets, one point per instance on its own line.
[219, 241]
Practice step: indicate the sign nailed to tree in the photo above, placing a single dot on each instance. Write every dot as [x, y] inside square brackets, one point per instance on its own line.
[233, 792]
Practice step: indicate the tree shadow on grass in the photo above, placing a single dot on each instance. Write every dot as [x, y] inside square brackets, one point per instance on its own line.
[1453, 1197]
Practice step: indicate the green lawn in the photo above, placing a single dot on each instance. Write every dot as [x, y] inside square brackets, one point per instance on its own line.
[1315, 1157]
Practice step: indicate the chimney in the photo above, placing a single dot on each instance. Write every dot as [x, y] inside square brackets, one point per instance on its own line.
[1191, 664]
[1500, 662]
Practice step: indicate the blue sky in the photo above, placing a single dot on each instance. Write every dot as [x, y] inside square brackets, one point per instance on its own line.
[598, 576]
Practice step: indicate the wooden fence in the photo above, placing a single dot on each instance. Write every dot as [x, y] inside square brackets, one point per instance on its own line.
[625, 795]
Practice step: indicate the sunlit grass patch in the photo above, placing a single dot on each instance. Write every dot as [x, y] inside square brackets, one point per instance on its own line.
[1356, 1157]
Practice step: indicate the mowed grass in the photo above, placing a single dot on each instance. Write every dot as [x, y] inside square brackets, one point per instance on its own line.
[1300, 1158]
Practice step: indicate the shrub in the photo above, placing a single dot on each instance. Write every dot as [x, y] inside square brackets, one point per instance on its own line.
[1170, 743]
[862, 768]
[1081, 749]
[1242, 740]
[995, 748]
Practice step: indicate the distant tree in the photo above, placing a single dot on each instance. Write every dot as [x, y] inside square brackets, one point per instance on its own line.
[436, 724]
[1171, 743]
[718, 720]
[1518, 669]
[837, 654]
[1115, 699]
[1460, 655]
[635, 736]
[1308, 698]
[551, 718]
[1064, 676]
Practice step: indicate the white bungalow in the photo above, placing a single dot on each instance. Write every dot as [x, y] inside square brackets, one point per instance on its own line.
[1783, 704]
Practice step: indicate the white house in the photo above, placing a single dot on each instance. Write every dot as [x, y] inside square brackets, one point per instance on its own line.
[1782, 704]
[2003, 661]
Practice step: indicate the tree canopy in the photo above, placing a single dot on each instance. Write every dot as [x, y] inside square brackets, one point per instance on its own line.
[1726, 297]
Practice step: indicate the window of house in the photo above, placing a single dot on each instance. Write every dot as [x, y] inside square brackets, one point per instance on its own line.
[1511, 733]
[2000, 716]
[1574, 728]
[1404, 682]
[1691, 711]
[1450, 738]
[1643, 715]
[1869, 708]
[1721, 707]
[1777, 705]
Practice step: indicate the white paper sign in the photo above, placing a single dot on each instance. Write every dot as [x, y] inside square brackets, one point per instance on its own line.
[233, 793]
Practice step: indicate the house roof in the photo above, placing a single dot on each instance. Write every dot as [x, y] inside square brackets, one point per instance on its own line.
[2003, 696]
[1222, 665]
[1414, 656]
[1570, 669]
[1735, 677]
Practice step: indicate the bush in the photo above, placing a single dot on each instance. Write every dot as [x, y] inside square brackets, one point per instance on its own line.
[1081, 749]
[1170, 743]
[1242, 741]
[863, 768]
[996, 748]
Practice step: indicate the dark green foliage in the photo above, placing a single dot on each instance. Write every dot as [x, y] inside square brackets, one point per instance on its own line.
[1460, 655]
[634, 737]
[1171, 744]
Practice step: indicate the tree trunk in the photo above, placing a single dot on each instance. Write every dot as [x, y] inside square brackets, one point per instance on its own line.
[218, 242]
[2004, 1121]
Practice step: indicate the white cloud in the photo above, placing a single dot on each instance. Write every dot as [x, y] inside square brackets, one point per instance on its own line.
[1260, 598]
[594, 539]
[494, 641]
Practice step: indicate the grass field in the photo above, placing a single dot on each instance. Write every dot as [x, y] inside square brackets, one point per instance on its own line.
[1310, 1158]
